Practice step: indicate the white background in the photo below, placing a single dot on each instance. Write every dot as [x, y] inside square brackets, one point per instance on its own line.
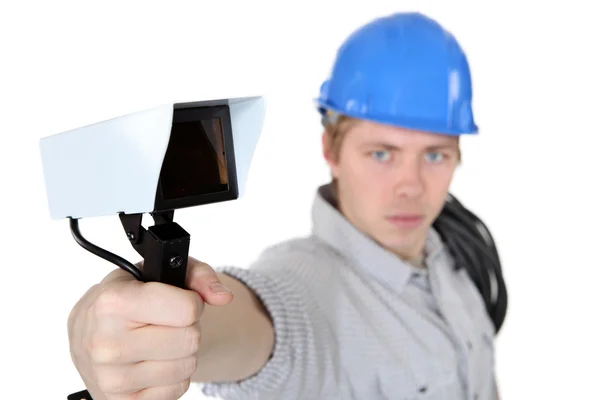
[531, 174]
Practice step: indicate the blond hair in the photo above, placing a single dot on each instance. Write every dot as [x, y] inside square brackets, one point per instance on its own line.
[336, 126]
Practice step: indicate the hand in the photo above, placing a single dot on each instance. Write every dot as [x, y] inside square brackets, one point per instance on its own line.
[135, 340]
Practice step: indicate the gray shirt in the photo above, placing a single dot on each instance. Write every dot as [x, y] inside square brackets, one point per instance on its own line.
[353, 321]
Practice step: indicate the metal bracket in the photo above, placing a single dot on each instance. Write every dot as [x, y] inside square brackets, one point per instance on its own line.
[163, 246]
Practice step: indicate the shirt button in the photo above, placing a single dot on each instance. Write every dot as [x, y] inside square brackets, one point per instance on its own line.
[469, 345]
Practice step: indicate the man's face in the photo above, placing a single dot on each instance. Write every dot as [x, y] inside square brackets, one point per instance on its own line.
[393, 182]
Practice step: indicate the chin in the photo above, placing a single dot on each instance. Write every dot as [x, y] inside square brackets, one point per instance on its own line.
[401, 244]
[402, 239]
[394, 240]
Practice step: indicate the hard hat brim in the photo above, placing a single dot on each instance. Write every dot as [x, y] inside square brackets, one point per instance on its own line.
[400, 121]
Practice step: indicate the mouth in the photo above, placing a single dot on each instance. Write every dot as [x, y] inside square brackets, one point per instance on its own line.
[406, 221]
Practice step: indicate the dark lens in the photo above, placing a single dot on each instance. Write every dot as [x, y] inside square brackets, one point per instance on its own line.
[195, 162]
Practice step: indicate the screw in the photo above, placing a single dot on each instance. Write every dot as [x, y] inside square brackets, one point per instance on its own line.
[130, 235]
[175, 262]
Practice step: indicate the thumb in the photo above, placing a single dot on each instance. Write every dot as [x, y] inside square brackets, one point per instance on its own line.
[203, 279]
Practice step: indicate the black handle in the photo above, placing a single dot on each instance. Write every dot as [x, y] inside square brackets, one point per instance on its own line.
[83, 395]
[166, 254]
[165, 248]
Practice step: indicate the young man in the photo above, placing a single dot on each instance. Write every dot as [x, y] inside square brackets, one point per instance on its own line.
[372, 304]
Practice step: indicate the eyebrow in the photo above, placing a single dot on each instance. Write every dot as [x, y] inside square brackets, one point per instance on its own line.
[433, 147]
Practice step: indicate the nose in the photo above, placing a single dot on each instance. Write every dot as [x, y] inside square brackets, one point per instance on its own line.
[409, 178]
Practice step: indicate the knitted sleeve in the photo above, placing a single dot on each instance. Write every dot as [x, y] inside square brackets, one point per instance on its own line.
[301, 366]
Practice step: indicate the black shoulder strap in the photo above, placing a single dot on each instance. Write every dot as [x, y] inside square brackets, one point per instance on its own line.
[472, 246]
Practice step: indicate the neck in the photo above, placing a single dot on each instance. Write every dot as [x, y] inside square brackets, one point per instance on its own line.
[415, 257]
[418, 262]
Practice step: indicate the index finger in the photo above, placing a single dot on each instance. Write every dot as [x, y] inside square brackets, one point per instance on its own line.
[152, 303]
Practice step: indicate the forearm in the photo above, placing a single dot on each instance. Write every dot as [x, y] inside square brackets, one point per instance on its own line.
[237, 339]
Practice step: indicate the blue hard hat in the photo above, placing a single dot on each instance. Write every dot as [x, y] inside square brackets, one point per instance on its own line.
[404, 70]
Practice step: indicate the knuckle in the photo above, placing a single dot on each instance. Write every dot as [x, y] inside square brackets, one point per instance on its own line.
[108, 302]
[103, 350]
[203, 271]
[191, 309]
[111, 383]
[192, 339]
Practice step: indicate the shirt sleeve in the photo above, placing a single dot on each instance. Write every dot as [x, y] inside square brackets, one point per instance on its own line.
[301, 366]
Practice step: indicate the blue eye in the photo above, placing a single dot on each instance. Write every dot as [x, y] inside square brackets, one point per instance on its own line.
[381, 155]
[437, 157]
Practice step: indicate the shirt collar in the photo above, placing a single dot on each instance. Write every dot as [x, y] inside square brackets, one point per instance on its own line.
[334, 229]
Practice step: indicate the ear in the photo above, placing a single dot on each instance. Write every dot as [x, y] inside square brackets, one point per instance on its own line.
[328, 154]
